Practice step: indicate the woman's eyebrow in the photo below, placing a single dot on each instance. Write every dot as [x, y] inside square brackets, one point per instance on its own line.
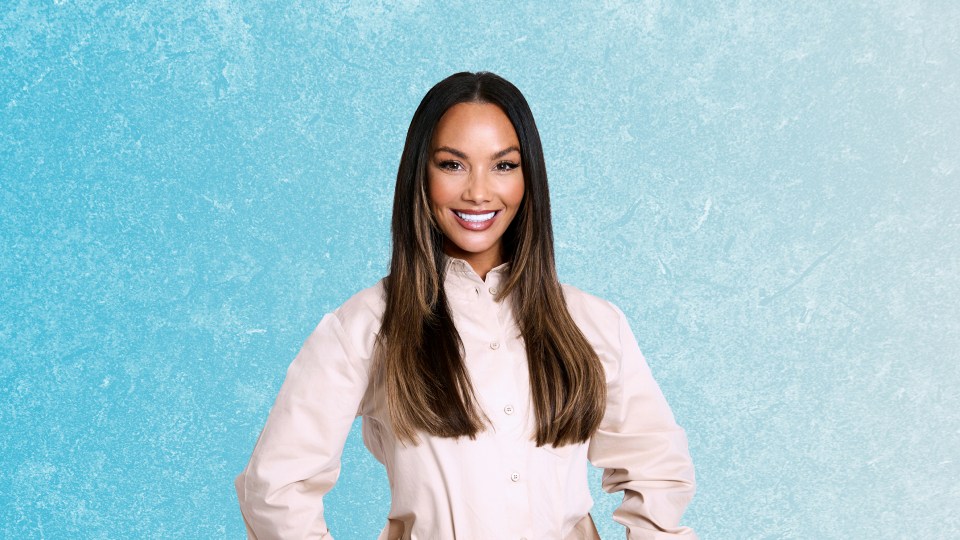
[453, 151]
[461, 155]
[504, 152]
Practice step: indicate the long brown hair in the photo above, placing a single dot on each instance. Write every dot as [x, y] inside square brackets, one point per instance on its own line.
[427, 384]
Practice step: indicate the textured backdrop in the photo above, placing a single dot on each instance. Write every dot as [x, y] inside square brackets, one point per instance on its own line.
[771, 195]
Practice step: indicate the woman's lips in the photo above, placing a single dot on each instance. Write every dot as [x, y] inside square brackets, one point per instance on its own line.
[475, 221]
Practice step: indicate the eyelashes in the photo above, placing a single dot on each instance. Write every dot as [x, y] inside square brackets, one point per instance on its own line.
[449, 165]
[502, 166]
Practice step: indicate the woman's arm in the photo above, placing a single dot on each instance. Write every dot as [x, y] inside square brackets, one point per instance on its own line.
[297, 456]
[643, 451]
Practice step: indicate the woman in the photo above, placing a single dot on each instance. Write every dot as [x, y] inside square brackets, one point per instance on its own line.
[484, 384]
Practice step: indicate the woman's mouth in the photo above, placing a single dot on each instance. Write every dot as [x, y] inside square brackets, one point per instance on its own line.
[475, 221]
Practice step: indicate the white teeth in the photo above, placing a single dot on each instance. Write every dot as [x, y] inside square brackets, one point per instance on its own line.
[475, 217]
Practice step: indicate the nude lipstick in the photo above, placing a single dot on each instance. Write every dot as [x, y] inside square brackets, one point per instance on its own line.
[476, 220]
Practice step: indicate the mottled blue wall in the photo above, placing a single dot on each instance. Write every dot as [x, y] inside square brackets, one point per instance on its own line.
[770, 193]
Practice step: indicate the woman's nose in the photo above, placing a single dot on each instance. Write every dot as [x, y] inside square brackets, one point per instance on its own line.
[477, 189]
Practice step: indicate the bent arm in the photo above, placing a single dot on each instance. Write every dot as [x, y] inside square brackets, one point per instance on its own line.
[643, 451]
[296, 459]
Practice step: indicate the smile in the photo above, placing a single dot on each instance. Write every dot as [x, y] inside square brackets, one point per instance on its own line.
[474, 218]
[474, 221]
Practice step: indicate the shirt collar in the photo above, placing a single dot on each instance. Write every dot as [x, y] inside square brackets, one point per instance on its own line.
[462, 269]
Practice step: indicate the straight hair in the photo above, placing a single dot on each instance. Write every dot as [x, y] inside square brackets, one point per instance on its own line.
[428, 388]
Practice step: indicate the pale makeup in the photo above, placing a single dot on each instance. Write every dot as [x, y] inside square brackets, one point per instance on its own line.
[475, 182]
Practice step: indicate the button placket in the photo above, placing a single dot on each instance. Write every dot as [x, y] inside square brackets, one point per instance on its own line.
[498, 340]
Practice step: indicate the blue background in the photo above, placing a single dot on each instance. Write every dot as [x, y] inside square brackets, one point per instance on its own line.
[770, 193]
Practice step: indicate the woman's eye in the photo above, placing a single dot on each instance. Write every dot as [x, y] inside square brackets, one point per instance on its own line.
[507, 166]
[449, 165]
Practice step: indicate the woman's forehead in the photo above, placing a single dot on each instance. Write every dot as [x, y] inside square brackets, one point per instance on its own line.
[476, 126]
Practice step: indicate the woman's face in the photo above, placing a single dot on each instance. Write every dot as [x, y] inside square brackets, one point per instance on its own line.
[475, 181]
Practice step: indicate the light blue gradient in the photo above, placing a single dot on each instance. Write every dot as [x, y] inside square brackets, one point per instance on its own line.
[770, 193]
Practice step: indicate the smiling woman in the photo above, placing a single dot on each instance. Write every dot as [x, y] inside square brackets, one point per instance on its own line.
[475, 182]
[484, 384]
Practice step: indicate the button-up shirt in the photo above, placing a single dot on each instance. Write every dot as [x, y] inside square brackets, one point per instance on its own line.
[497, 486]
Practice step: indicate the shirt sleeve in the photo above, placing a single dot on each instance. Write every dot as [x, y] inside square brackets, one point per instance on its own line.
[642, 450]
[296, 460]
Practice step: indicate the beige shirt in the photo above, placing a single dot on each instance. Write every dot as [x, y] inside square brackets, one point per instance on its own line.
[498, 486]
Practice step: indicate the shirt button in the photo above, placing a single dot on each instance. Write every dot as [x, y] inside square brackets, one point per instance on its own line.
[508, 409]
[493, 290]
[515, 477]
[494, 345]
